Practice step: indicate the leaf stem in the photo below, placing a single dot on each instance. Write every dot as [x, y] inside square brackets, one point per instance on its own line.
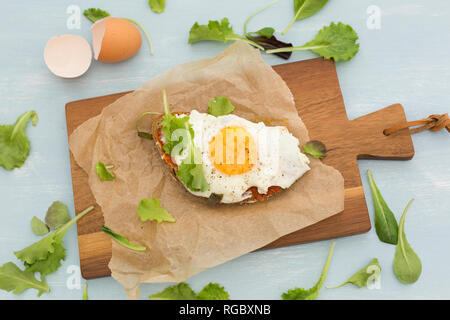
[248, 41]
[256, 13]
[401, 231]
[64, 228]
[295, 19]
[166, 105]
[144, 31]
[291, 49]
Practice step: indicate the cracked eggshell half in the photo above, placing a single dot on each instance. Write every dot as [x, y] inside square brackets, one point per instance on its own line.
[68, 56]
[115, 39]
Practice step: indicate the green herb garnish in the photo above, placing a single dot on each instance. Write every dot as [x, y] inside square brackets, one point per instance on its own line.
[304, 9]
[313, 293]
[385, 223]
[157, 6]
[315, 149]
[45, 255]
[14, 143]
[183, 291]
[362, 277]
[98, 14]
[94, 14]
[57, 215]
[122, 240]
[143, 134]
[39, 227]
[16, 280]
[103, 171]
[407, 264]
[217, 31]
[150, 209]
[336, 41]
[220, 106]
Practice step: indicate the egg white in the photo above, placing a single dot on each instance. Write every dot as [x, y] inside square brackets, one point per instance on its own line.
[280, 161]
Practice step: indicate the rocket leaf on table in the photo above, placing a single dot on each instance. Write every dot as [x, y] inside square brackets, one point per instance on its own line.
[361, 278]
[183, 291]
[312, 293]
[157, 6]
[386, 225]
[94, 14]
[39, 227]
[57, 215]
[304, 9]
[14, 143]
[407, 264]
[16, 280]
[315, 149]
[220, 106]
[45, 255]
[150, 209]
[103, 172]
[122, 240]
[336, 41]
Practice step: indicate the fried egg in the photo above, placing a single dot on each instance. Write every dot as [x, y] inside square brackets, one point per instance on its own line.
[238, 154]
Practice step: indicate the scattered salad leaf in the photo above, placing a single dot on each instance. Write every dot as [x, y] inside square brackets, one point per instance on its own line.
[120, 239]
[313, 293]
[16, 280]
[271, 44]
[150, 209]
[157, 6]
[103, 173]
[94, 14]
[57, 215]
[193, 176]
[143, 134]
[216, 31]
[85, 293]
[39, 227]
[315, 149]
[45, 255]
[265, 32]
[183, 291]
[304, 9]
[362, 277]
[407, 264]
[385, 223]
[213, 291]
[14, 143]
[336, 41]
[220, 106]
[98, 14]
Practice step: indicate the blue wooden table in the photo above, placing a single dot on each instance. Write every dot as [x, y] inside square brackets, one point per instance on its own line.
[402, 59]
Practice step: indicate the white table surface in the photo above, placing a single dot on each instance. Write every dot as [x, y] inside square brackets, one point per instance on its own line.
[405, 61]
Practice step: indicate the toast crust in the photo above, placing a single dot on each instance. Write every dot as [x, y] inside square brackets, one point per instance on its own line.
[173, 168]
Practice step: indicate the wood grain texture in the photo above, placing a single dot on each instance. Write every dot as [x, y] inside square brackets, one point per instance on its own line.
[318, 98]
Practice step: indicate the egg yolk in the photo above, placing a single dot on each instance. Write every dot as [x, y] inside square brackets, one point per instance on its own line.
[233, 151]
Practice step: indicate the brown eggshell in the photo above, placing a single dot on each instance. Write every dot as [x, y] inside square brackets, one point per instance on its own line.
[115, 39]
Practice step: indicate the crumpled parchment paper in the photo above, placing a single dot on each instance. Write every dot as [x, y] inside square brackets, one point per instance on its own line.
[203, 235]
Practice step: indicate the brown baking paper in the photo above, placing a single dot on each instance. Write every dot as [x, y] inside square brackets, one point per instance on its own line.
[203, 235]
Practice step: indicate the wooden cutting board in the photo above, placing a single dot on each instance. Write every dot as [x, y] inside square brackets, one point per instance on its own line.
[318, 98]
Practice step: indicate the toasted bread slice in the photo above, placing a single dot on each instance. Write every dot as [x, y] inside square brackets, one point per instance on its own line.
[173, 168]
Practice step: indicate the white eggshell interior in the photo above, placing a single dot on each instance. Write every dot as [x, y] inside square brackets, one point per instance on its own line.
[68, 56]
[98, 31]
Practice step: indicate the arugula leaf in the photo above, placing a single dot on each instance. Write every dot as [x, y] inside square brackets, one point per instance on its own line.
[193, 176]
[304, 9]
[14, 143]
[39, 227]
[103, 173]
[315, 149]
[157, 6]
[213, 291]
[57, 215]
[265, 32]
[16, 280]
[216, 31]
[312, 293]
[181, 291]
[407, 264]
[45, 255]
[220, 106]
[336, 41]
[385, 223]
[94, 14]
[122, 240]
[362, 277]
[150, 209]
[85, 293]
[271, 44]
